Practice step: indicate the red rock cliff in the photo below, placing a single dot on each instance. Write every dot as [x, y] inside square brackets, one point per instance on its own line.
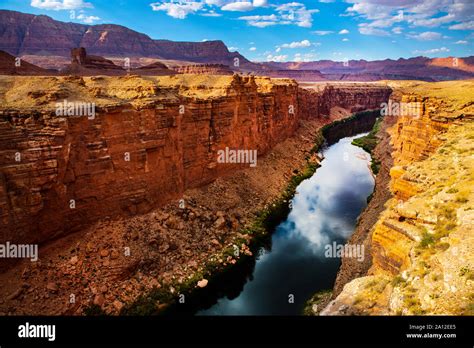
[148, 142]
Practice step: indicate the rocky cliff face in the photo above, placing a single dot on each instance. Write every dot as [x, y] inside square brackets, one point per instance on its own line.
[209, 69]
[146, 143]
[421, 245]
[299, 75]
[130, 156]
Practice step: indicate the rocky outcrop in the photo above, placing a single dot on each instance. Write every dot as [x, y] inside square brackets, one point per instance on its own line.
[421, 244]
[154, 69]
[129, 157]
[10, 65]
[209, 69]
[298, 75]
[352, 97]
[87, 65]
[146, 143]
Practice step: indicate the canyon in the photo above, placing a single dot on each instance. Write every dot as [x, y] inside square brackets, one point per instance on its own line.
[421, 233]
[135, 199]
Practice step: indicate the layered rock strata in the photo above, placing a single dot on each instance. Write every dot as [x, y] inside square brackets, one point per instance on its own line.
[146, 143]
[421, 244]
[209, 69]
[121, 252]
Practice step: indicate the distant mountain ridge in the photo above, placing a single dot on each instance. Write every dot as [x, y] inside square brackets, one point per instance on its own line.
[47, 43]
[423, 68]
[27, 34]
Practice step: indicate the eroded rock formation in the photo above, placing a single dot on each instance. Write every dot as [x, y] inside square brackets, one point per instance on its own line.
[160, 139]
[87, 65]
[209, 69]
[421, 244]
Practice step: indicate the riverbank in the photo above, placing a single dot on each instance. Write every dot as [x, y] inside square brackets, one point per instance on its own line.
[228, 280]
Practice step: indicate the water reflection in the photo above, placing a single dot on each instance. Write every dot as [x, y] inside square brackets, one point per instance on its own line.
[325, 209]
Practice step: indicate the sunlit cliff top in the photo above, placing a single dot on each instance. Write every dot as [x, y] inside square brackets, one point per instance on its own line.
[43, 92]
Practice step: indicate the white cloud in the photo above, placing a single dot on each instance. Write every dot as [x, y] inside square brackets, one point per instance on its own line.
[431, 51]
[322, 32]
[296, 13]
[297, 44]
[293, 13]
[260, 21]
[240, 6]
[461, 42]
[252, 48]
[364, 29]
[215, 2]
[463, 26]
[177, 8]
[397, 30]
[344, 31]
[60, 4]
[345, 39]
[433, 22]
[306, 57]
[232, 48]
[425, 13]
[260, 3]
[280, 58]
[425, 36]
[87, 19]
[211, 13]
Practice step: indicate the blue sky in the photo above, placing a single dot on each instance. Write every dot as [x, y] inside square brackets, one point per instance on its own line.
[299, 30]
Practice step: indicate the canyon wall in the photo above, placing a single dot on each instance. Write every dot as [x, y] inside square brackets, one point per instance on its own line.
[148, 142]
[208, 69]
[421, 244]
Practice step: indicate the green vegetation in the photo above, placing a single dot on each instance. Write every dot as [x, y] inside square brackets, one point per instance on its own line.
[445, 224]
[320, 299]
[398, 281]
[412, 302]
[427, 239]
[369, 142]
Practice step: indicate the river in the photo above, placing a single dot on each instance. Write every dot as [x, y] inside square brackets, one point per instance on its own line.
[324, 210]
